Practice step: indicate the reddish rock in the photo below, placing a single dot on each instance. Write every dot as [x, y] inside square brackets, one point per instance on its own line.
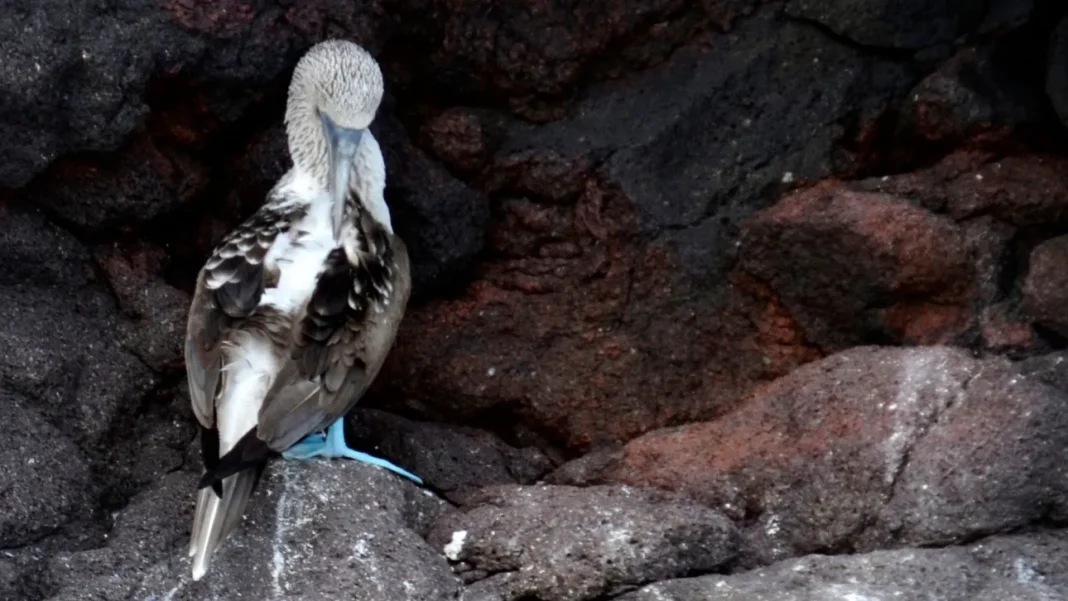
[456, 137]
[138, 184]
[1022, 190]
[867, 449]
[157, 310]
[835, 257]
[225, 17]
[516, 48]
[1045, 289]
[1005, 332]
[576, 332]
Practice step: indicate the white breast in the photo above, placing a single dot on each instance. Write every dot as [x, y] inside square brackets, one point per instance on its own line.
[299, 253]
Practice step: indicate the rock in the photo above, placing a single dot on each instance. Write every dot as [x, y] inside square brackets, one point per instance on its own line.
[1024, 190]
[1057, 71]
[157, 310]
[568, 544]
[868, 449]
[978, 94]
[829, 253]
[45, 479]
[454, 460]
[506, 49]
[59, 347]
[604, 304]
[905, 25]
[1005, 331]
[1010, 568]
[1048, 368]
[9, 580]
[456, 137]
[1045, 288]
[145, 532]
[442, 220]
[83, 87]
[134, 186]
[332, 530]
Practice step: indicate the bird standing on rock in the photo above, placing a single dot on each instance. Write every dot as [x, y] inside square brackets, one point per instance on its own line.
[297, 308]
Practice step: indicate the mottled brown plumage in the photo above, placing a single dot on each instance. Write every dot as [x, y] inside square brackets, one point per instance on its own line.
[297, 308]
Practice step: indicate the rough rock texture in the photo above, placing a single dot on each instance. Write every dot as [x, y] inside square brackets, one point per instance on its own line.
[866, 449]
[457, 460]
[1057, 77]
[47, 479]
[59, 345]
[1046, 287]
[574, 286]
[1010, 568]
[907, 25]
[831, 253]
[319, 530]
[560, 543]
[624, 216]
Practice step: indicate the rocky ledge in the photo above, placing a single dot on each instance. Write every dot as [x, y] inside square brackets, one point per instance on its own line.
[740, 299]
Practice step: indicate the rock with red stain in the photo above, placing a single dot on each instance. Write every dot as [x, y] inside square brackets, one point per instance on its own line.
[1045, 288]
[577, 334]
[978, 96]
[605, 304]
[901, 24]
[136, 185]
[866, 449]
[155, 331]
[845, 262]
[1022, 190]
[457, 137]
[522, 50]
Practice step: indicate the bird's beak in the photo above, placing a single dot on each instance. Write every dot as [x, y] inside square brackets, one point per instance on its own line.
[343, 143]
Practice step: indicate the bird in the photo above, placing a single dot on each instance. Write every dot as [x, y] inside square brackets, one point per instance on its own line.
[295, 310]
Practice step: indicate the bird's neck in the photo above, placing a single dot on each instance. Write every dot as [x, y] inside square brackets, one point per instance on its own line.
[309, 150]
[307, 143]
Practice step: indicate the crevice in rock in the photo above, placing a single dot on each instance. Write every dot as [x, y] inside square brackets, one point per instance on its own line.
[902, 55]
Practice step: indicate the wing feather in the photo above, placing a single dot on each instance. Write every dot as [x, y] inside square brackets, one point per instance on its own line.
[229, 288]
[344, 332]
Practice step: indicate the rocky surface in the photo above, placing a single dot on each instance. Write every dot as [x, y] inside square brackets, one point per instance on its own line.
[575, 544]
[867, 449]
[1016, 568]
[745, 279]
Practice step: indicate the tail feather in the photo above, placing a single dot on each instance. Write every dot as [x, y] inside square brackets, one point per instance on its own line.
[216, 517]
[233, 455]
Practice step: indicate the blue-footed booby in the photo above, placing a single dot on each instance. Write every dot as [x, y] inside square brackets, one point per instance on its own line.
[296, 309]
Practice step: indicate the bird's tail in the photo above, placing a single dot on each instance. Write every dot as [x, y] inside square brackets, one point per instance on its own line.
[217, 516]
[234, 457]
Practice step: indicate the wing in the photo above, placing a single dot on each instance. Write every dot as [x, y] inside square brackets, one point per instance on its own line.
[228, 288]
[344, 332]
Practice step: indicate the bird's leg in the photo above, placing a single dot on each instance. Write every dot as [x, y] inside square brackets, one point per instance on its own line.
[310, 446]
[333, 445]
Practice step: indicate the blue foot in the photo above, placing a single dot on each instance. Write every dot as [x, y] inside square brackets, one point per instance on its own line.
[332, 444]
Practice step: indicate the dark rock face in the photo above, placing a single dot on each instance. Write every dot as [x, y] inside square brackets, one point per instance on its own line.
[35, 506]
[1045, 292]
[58, 345]
[305, 514]
[866, 449]
[1010, 567]
[557, 542]
[897, 24]
[699, 287]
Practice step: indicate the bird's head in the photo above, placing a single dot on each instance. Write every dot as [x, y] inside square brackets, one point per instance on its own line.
[333, 97]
